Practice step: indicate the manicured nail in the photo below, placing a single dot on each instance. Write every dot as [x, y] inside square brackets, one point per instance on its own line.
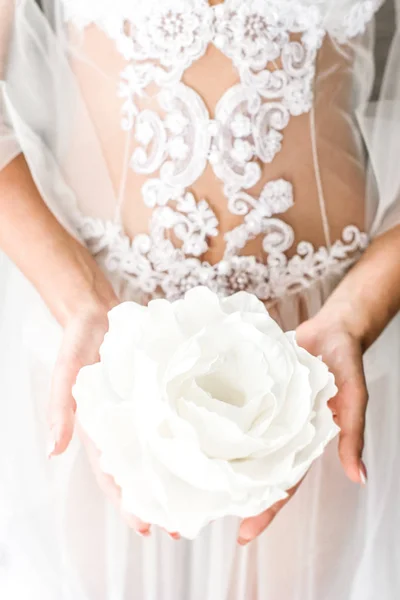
[363, 474]
[175, 535]
[242, 541]
[144, 533]
[51, 445]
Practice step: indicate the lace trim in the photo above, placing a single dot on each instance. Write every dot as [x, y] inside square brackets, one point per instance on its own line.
[152, 269]
[355, 20]
[342, 22]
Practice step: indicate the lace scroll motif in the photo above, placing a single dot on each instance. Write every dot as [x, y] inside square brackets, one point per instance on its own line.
[273, 46]
[152, 266]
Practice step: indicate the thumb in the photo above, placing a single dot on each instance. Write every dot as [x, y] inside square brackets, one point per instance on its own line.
[61, 415]
[80, 346]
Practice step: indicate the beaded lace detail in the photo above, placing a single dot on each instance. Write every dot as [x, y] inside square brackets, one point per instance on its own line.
[273, 46]
[152, 266]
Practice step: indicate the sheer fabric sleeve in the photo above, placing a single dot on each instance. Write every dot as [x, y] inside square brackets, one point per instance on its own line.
[374, 109]
[380, 124]
[29, 102]
[42, 113]
[9, 146]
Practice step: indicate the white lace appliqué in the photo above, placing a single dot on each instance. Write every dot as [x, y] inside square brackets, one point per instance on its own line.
[273, 46]
[151, 265]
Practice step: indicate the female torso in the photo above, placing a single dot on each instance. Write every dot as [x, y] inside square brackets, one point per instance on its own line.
[305, 151]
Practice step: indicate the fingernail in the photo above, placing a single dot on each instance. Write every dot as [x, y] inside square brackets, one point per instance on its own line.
[144, 533]
[51, 445]
[242, 541]
[363, 474]
[175, 536]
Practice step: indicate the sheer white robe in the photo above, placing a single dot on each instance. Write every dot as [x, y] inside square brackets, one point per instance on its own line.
[59, 538]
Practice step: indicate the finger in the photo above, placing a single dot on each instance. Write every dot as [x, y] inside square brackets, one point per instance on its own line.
[62, 404]
[252, 527]
[351, 404]
[113, 493]
[136, 524]
[173, 534]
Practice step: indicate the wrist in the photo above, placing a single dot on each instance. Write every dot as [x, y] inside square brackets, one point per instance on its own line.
[79, 291]
[349, 315]
[369, 295]
[91, 302]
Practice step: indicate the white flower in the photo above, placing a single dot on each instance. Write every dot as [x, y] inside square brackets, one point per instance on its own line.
[203, 408]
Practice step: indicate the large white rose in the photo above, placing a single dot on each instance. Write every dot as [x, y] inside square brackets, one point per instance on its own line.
[203, 408]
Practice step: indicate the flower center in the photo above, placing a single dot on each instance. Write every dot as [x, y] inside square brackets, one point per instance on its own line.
[221, 388]
[226, 382]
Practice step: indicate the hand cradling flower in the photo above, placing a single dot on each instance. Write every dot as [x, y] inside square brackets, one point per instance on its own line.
[203, 408]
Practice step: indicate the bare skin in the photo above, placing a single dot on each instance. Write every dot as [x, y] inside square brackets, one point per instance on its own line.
[79, 296]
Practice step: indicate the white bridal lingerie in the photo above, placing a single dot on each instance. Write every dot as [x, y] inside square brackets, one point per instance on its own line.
[230, 144]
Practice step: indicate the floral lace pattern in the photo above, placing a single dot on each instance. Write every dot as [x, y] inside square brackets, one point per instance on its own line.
[354, 21]
[273, 45]
[152, 266]
[342, 18]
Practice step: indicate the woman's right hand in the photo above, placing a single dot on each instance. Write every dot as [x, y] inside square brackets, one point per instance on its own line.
[74, 289]
[83, 335]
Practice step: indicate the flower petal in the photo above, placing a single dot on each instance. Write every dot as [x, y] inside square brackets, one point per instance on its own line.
[125, 331]
[218, 437]
[245, 303]
[200, 308]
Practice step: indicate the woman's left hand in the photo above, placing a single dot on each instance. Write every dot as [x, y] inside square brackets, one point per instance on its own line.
[342, 351]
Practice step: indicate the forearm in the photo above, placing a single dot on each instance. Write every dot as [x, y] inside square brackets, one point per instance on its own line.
[369, 296]
[61, 269]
